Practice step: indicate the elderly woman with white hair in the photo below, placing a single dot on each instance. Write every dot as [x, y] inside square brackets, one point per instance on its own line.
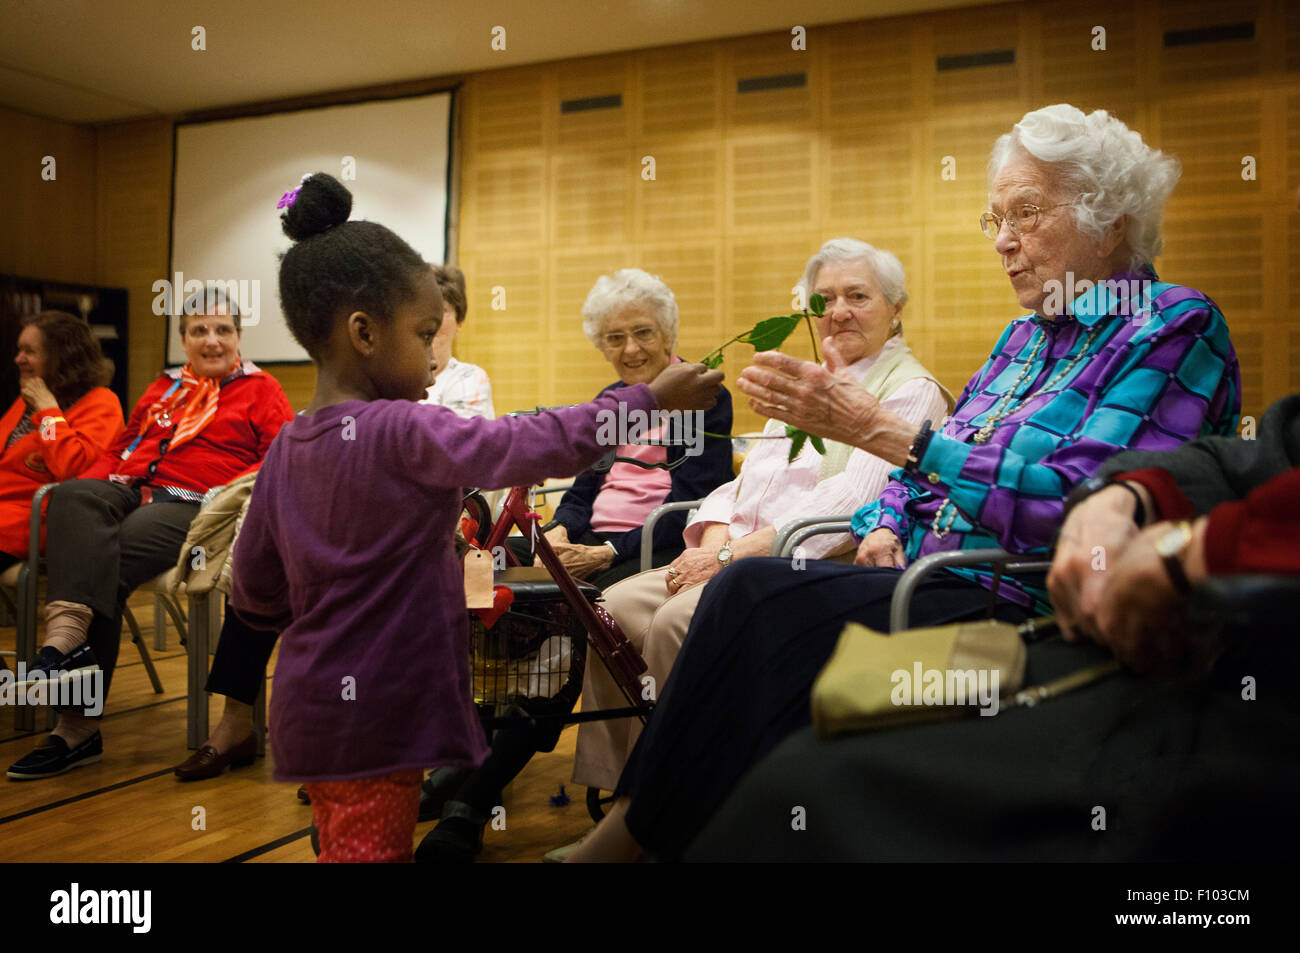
[1108, 357]
[631, 318]
[865, 292]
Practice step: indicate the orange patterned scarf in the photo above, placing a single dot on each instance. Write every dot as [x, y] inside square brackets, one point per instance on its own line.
[195, 414]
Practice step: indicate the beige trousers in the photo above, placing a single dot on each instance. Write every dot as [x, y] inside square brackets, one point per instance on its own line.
[655, 623]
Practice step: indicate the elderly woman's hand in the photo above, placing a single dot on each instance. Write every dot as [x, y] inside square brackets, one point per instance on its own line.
[37, 395]
[826, 401]
[1140, 615]
[881, 547]
[582, 561]
[693, 566]
[1095, 535]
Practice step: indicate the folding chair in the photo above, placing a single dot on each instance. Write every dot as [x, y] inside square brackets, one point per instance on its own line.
[25, 578]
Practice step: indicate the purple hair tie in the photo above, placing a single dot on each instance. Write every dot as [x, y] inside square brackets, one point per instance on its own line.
[289, 198]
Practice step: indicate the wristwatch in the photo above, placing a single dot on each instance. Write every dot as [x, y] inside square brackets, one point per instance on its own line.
[917, 450]
[724, 554]
[1096, 484]
[1170, 546]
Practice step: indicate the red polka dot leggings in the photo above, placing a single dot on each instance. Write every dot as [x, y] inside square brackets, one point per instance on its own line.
[367, 821]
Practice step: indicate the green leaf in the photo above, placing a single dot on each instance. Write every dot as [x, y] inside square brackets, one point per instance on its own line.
[768, 334]
[797, 438]
[817, 305]
[714, 360]
[817, 444]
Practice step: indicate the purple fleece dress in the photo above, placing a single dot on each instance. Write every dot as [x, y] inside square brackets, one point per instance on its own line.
[347, 549]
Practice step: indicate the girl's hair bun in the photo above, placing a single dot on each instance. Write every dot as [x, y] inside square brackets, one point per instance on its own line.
[321, 203]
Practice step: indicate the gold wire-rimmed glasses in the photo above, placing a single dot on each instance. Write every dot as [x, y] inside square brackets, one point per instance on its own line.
[1021, 218]
[617, 340]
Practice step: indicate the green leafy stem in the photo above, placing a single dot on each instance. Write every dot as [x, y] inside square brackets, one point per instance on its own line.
[769, 334]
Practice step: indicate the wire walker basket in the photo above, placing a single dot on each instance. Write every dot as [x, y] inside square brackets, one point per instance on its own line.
[535, 650]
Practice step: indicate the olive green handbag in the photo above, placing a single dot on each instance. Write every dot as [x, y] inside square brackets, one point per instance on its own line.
[877, 681]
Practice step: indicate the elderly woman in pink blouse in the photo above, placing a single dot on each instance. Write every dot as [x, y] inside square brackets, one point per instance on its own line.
[864, 288]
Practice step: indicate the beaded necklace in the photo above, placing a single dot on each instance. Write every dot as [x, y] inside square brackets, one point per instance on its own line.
[1002, 411]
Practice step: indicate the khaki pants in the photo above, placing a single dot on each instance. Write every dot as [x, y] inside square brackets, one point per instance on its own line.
[655, 623]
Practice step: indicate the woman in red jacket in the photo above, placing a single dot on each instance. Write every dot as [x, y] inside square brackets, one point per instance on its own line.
[124, 522]
[60, 424]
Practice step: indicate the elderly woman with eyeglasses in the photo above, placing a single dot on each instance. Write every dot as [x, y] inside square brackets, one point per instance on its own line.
[1108, 357]
[631, 318]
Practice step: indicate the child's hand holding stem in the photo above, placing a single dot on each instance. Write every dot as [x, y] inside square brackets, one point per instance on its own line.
[686, 387]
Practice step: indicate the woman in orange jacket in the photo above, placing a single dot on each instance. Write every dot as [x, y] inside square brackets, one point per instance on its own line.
[59, 425]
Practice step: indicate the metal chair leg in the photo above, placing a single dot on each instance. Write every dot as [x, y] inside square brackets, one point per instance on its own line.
[159, 624]
[140, 644]
[196, 704]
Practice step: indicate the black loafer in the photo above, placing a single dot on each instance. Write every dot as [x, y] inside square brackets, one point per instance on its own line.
[53, 665]
[55, 757]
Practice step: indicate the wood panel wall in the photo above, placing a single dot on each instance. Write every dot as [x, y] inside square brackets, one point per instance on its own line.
[748, 184]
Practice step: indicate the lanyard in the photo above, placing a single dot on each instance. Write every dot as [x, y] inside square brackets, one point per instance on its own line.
[176, 384]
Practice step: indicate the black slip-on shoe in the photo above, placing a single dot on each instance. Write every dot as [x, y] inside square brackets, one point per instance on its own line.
[55, 757]
[53, 665]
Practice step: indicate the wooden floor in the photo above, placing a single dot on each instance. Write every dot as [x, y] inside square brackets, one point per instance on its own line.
[130, 807]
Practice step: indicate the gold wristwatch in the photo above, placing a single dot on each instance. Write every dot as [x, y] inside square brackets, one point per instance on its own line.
[1170, 546]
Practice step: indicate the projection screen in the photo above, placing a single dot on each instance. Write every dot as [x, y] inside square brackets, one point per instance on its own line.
[229, 176]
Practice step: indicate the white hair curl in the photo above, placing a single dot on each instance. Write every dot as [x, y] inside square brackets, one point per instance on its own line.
[629, 286]
[1112, 170]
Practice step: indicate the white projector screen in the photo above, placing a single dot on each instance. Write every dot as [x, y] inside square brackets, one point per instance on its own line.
[230, 174]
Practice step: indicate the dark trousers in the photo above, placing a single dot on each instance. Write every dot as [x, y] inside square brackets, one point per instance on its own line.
[1191, 769]
[239, 665]
[741, 684]
[101, 545]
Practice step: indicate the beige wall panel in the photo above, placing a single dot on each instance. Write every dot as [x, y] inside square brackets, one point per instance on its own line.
[761, 274]
[590, 196]
[870, 69]
[504, 202]
[872, 174]
[507, 343]
[298, 381]
[505, 111]
[694, 273]
[586, 79]
[958, 202]
[772, 183]
[773, 109]
[968, 32]
[1211, 137]
[1073, 70]
[685, 197]
[133, 213]
[681, 92]
[1209, 63]
[49, 225]
[1222, 256]
[1293, 355]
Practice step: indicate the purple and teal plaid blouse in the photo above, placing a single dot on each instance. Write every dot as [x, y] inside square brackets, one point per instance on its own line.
[1155, 369]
